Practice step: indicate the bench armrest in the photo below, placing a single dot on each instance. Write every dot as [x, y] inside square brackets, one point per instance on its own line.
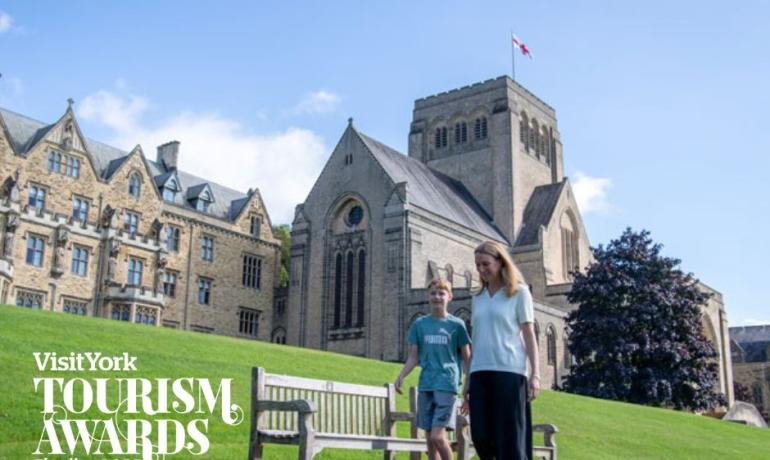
[549, 433]
[298, 405]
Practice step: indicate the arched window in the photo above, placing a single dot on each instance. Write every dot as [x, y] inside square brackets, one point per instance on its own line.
[524, 130]
[550, 335]
[450, 274]
[537, 333]
[569, 245]
[546, 144]
[135, 185]
[361, 287]
[532, 136]
[441, 137]
[349, 290]
[468, 279]
[457, 133]
[567, 356]
[337, 290]
[463, 132]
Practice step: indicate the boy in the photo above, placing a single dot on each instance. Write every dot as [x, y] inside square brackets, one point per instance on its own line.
[437, 342]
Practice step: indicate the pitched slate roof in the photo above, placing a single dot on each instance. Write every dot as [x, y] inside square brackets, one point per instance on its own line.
[25, 132]
[432, 190]
[539, 211]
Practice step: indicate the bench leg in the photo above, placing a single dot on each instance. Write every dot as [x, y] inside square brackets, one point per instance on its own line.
[389, 455]
[256, 452]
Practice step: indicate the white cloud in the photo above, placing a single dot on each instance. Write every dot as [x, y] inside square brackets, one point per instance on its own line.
[321, 101]
[283, 165]
[6, 22]
[114, 111]
[591, 192]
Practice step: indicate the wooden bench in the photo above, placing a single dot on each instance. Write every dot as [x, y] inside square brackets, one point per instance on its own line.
[319, 414]
[461, 441]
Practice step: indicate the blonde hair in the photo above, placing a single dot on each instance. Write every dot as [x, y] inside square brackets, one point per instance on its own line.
[440, 283]
[507, 269]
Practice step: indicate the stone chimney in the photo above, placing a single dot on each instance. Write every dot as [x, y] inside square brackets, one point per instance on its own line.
[168, 154]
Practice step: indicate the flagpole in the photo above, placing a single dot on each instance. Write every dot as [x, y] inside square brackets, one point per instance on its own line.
[513, 58]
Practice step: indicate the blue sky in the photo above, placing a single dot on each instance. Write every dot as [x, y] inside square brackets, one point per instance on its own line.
[662, 106]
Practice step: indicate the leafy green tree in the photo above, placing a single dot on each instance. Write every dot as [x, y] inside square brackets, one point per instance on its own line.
[283, 232]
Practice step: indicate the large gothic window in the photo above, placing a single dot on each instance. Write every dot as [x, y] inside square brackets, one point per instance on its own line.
[347, 270]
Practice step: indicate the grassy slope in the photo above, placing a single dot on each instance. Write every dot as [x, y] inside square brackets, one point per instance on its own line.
[589, 428]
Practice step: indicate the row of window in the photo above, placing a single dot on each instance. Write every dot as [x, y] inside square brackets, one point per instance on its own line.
[252, 265]
[248, 319]
[534, 138]
[461, 132]
[34, 299]
[142, 315]
[70, 166]
[63, 164]
[81, 207]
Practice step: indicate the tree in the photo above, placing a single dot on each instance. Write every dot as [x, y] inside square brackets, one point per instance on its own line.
[283, 232]
[637, 332]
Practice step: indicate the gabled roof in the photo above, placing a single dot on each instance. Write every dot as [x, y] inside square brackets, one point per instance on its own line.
[25, 132]
[432, 190]
[539, 211]
[197, 190]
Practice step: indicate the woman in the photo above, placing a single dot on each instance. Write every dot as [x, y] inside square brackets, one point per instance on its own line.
[503, 340]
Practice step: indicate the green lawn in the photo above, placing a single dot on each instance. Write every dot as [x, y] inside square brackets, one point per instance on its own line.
[589, 429]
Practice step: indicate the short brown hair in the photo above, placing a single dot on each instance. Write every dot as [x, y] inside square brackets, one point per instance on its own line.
[440, 283]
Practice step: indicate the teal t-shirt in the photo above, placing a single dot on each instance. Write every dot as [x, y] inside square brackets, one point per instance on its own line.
[439, 342]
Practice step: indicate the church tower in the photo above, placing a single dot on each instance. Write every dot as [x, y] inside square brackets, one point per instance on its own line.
[497, 138]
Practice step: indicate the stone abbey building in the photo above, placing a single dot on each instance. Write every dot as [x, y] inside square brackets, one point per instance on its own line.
[485, 162]
[88, 229]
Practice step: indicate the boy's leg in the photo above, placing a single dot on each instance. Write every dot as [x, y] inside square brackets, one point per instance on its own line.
[438, 441]
[444, 417]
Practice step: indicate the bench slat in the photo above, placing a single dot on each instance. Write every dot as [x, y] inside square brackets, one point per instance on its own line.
[288, 381]
[363, 442]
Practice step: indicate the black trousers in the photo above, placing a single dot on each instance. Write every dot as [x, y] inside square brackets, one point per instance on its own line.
[501, 418]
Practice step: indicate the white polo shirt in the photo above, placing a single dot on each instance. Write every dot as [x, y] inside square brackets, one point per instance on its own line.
[497, 340]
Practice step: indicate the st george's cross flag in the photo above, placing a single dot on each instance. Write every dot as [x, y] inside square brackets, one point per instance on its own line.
[518, 44]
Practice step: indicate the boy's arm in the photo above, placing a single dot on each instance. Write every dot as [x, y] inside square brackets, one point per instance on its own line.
[411, 362]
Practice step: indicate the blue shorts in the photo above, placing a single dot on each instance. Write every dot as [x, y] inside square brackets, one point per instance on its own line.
[436, 409]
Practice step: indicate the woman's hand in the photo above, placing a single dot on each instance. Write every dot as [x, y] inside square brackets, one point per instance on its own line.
[465, 408]
[399, 383]
[534, 387]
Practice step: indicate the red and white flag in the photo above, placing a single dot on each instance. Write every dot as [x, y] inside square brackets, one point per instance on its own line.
[518, 44]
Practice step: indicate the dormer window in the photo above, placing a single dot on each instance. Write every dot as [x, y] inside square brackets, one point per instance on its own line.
[200, 197]
[170, 190]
